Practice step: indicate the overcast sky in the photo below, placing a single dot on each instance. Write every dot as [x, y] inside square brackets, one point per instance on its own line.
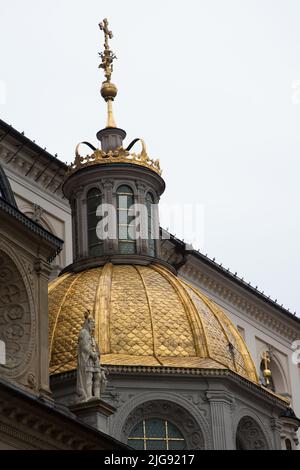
[213, 86]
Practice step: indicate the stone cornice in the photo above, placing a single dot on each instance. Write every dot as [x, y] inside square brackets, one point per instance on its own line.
[280, 323]
[30, 160]
[33, 227]
[41, 425]
[227, 285]
[226, 374]
[37, 190]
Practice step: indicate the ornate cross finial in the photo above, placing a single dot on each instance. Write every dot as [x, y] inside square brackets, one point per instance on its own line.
[108, 90]
[104, 27]
[266, 358]
[266, 372]
[107, 56]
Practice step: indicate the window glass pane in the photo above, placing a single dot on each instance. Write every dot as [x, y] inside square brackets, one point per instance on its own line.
[96, 250]
[94, 192]
[176, 445]
[151, 242]
[123, 231]
[151, 445]
[94, 199]
[124, 189]
[173, 431]
[155, 428]
[158, 434]
[92, 221]
[93, 205]
[123, 202]
[127, 248]
[123, 216]
[130, 201]
[136, 443]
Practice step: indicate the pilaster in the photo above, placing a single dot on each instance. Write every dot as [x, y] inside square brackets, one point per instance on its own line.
[221, 419]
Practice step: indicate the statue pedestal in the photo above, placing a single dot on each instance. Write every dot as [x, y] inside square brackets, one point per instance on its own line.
[94, 412]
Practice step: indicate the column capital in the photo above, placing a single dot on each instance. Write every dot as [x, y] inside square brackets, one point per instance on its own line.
[220, 396]
[42, 267]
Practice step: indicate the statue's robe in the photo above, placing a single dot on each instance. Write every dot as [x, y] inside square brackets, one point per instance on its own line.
[85, 362]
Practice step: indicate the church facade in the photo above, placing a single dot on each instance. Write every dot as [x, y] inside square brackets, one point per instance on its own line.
[195, 357]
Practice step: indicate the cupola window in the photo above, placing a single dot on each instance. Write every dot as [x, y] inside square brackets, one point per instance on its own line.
[151, 241]
[95, 245]
[125, 213]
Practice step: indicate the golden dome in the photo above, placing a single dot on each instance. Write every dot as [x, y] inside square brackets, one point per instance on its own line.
[146, 316]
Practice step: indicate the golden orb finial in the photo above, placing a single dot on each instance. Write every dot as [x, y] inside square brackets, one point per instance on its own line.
[108, 90]
[266, 371]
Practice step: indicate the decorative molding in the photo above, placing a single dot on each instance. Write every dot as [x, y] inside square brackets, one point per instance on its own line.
[250, 435]
[127, 415]
[19, 327]
[261, 420]
[42, 425]
[34, 227]
[35, 166]
[240, 302]
[253, 388]
[170, 411]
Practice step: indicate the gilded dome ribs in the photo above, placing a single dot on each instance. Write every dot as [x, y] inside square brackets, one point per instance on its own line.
[102, 308]
[130, 326]
[197, 329]
[56, 316]
[56, 282]
[145, 316]
[150, 314]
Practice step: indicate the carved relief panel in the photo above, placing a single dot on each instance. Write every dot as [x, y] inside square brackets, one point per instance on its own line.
[15, 316]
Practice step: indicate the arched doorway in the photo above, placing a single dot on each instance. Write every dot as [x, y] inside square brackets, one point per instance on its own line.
[249, 435]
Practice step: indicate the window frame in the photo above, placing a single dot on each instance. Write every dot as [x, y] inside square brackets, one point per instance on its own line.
[125, 242]
[99, 243]
[166, 438]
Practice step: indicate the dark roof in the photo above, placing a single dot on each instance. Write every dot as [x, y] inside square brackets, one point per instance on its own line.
[8, 130]
[5, 189]
[290, 413]
[33, 226]
[182, 248]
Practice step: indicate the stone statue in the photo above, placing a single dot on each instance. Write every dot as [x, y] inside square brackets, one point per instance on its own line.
[91, 377]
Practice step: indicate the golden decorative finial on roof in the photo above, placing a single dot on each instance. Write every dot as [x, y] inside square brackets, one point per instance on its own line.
[266, 372]
[108, 89]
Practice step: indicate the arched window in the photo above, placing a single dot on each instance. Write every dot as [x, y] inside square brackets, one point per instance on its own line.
[95, 246]
[155, 433]
[288, 444]
[125, 199]
[151, 241]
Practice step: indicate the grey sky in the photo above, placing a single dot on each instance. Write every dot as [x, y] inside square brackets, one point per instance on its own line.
[207, 84]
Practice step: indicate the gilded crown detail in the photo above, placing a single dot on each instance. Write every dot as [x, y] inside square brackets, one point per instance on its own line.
[119, 155]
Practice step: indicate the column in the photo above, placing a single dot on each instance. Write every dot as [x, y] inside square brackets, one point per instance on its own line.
[42, 269]
[221, 419]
